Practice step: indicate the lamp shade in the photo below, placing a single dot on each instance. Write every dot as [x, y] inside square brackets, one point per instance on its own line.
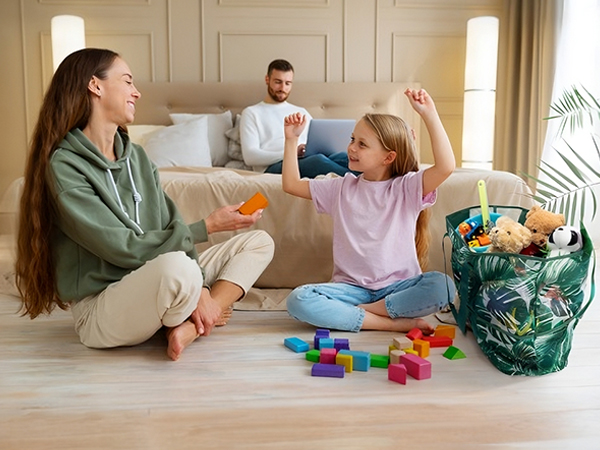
[479, 111]
[68, 35]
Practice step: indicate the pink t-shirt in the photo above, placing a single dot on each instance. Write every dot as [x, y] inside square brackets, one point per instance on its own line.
[373, 226]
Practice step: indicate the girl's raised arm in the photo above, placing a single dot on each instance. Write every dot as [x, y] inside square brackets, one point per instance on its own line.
[443, 156]
[294, 124]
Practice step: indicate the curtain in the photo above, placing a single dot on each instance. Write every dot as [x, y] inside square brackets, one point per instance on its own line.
[526, 56]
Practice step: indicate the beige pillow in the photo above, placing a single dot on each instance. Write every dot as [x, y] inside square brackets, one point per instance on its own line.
[139, 133]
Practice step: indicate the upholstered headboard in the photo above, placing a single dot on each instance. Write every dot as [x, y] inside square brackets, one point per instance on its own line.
[322, 100]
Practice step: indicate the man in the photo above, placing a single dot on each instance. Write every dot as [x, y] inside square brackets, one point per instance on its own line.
[261, 129]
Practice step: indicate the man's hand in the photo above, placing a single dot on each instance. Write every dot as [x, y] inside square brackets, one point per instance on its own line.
[228, 218]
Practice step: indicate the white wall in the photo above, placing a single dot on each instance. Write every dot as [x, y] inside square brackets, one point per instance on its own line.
[229, 40]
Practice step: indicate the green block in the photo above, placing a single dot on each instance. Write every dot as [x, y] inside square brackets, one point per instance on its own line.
[454, 353]
[382, 361]
[313, 355]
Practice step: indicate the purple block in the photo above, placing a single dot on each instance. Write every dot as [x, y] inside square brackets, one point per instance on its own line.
[321, 333]
[327, 370]
[341, 344]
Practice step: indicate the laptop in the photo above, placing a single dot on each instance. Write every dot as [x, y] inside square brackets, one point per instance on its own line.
[328, 136]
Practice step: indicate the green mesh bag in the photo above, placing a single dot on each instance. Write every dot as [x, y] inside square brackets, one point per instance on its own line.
[522, 309]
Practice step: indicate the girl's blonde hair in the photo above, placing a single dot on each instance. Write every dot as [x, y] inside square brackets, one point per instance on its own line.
[396, 136]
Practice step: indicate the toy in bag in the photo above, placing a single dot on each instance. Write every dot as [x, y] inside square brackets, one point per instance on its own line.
[522, 309]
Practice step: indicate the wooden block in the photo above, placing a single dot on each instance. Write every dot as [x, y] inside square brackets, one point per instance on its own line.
[395, 356]
[454, 353]
[438, 341]
[296, 344]
[326, 343]
[257, 201]
[421, 347]
[415, 333]
[397, 373]
[327, 370]
[327, 355]
[382, 361]
[361, 361]
[344, 360]
[320, 334]
[445, 330]
[416, 367]
[403, 342]
[341, 344]
[313, 355]
[411, 351]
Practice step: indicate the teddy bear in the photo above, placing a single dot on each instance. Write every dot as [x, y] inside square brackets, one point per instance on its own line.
[508, 236]
[541, 223]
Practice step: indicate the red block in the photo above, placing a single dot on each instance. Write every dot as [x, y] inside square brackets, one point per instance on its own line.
[397, 373]
[416, 366]
[438, 341]
[327, 356]
[415, 333]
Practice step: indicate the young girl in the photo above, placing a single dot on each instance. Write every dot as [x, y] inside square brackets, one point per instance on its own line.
[379, 225]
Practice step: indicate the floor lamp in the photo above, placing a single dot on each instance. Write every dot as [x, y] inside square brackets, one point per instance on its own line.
[68, 35]
[479, 111]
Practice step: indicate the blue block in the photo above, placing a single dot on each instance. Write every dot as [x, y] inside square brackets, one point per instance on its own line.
[326, 343]
[320, 333]
[327, 370]
[296, 344]
[361, 361]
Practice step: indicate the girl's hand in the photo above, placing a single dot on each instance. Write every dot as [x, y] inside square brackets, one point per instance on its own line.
[293, 125]
[420, 100]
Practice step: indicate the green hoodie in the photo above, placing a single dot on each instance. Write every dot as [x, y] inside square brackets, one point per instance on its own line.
[102, 233]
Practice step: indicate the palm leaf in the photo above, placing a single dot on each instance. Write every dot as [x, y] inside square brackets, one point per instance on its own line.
[575, 108]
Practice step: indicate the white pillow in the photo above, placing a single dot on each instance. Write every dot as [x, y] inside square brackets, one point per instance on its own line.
[139, 133]
[218, 124]
[185, 144]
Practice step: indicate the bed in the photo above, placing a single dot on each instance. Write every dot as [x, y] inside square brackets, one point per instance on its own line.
[302, 237]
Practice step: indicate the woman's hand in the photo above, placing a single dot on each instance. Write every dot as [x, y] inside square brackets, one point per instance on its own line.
[228, 218]
[206, 314]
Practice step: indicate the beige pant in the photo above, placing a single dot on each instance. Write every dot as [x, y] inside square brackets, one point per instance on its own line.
[165, 291]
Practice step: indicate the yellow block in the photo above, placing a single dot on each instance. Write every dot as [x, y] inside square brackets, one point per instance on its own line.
[344, 360]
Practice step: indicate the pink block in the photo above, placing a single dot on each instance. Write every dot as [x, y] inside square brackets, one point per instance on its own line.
[397, 373]
[415, 333]
[327, 356]
[416, 366]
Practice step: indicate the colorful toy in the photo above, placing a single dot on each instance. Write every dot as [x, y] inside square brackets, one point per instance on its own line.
[421, 347]
[382, 361]
[445, 330]
[509, 236]
[327, 370]
[403, 342]
[416, 367]
[344, 360]
[438, 341]
[564, 240]
[413, 334]
[397, 373]
[361, 361]
[257, 201]
[327, 356]
[296, 344]
[313, 355]
[395, 356]
[541, 223]
[341, 344]
[454, 353]
[320, 333]
[485, 209]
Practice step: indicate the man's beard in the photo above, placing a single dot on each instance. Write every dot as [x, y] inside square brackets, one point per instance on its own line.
[277, 96]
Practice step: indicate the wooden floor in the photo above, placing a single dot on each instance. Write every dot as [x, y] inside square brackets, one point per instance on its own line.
[241, 388]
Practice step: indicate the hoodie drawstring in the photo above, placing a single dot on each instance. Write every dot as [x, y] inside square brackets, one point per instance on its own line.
[137, 198]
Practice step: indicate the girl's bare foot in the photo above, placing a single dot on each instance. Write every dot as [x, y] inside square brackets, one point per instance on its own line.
[400, 324]
[225, 316]
[179, 338]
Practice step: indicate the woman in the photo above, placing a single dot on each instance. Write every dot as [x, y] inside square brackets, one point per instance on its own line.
[98, 234]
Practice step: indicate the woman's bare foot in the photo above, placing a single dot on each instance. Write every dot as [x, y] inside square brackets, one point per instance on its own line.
[225, 316]
[179, 338]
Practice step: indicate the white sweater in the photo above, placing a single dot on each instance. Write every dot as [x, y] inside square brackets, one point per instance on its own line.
[261, 133]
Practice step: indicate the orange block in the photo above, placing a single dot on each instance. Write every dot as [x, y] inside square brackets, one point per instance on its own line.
[258, 201]
[445, 330]
[421, 347]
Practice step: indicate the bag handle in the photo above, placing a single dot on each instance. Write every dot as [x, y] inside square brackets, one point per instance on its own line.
[460, 315]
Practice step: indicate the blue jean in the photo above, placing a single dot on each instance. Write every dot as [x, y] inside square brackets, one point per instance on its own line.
[319, 164]
[335, 305]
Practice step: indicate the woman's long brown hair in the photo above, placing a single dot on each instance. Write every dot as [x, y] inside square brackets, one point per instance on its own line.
[395, 135]
[66, 105]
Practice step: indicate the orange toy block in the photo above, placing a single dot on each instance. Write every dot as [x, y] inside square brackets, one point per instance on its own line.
[445, 330]
[257, 201]
[421, 347]
[438, 341]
